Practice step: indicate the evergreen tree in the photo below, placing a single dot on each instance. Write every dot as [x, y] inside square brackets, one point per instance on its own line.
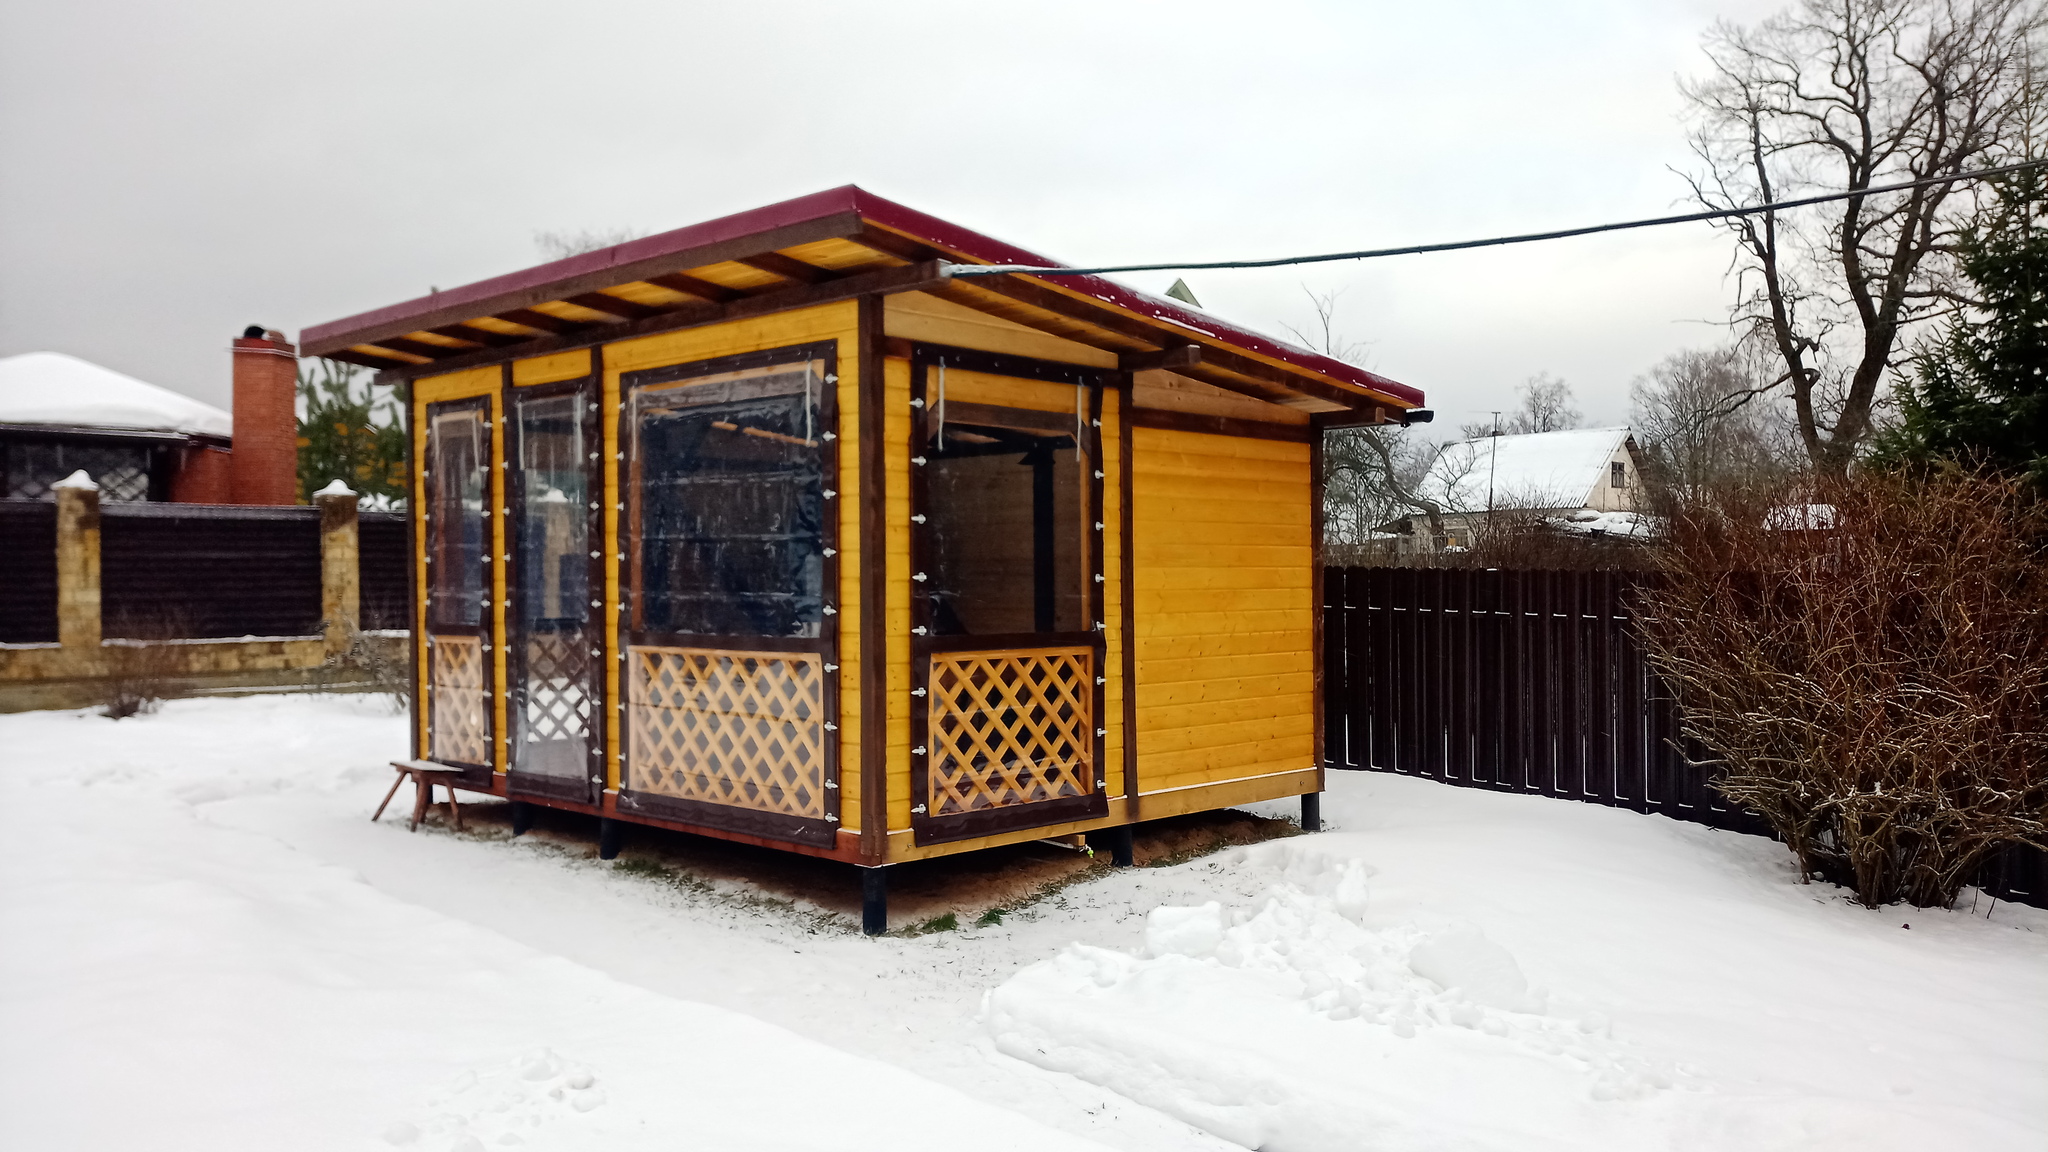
[349, 432]
[1979, 393]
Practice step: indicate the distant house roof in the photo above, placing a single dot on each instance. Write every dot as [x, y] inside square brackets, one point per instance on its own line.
[1538, 470]
[830, 245]
[50, 388]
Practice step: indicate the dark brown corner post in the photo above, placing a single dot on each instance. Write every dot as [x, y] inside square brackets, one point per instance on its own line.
[1127, 570]
[1311, 803]
[874, 652]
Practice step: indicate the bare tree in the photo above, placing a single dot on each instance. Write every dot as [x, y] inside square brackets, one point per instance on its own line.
[1547, 406]
[1847, 95]
[1701, 423]
[562, 245]
[1372, 473]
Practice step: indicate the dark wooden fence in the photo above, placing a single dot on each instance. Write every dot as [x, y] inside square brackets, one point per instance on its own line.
[1525, 682]
[196, 571]
[28, 572]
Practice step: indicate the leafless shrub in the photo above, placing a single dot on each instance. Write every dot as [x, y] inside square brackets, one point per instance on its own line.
[1869, 659]
[142, 665]
[371, 662]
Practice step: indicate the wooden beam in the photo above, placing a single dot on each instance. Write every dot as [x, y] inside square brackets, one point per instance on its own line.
[1174, 421]
[366, 360]
[420, 348]
[690, 285]
[1178, 359]
[607, 303]
[901, 247]
[909, 278]
[475, 335]
[787, 267]
[1039, 296]
[527, 317]
[1305, 385]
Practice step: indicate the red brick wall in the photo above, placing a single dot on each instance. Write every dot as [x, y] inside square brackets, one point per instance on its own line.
[264, 466]
[202, 477]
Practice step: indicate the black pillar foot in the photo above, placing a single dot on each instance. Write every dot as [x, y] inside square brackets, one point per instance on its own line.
[1117, 840]
[522, 817]
[1312, 812]
[874, 901]
[611, 836]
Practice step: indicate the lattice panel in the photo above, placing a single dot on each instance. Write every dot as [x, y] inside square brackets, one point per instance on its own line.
[557, 702]
[745, 729]
[460, 731]
[1010, 728]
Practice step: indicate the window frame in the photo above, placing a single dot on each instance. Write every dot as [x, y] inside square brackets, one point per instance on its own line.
[483, 629]
[924, 643]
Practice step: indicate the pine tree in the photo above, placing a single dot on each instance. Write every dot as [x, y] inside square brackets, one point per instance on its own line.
[1979, 393]
[342, 437]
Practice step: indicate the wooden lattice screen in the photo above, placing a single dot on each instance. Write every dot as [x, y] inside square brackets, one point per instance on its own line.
[458, 724]
[1010, 728]
[745, 729]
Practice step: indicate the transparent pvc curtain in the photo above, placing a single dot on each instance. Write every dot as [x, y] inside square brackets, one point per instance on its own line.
[458, 454]
[553, 595]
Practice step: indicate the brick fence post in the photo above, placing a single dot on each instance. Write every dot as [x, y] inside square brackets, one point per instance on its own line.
[341, 580]
[78, 571]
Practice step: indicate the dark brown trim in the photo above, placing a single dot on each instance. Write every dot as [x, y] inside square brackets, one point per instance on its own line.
[416, 608]
[1012, 818]
[692, 286]
[842, 849]
[1167, 420]
[1178, 358]
[909, 278]
[1004, 640]
[826, 644]
[787, 267]
[1315, 559]
[1095, 516]
[420, 348]
[766, 825]
[366, 360]
[901, 247]
[528, 318]
[588, 391]
[613, 305]
[874, 588]
[475, 335]
[1027, 419]
[1002, 364]
[1128, 564]
[1357, 419]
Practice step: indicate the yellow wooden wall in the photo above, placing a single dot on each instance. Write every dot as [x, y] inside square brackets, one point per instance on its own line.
[1225, 618]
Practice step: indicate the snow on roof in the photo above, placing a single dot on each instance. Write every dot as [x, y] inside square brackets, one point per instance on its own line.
[52, 388]
[1534, 470]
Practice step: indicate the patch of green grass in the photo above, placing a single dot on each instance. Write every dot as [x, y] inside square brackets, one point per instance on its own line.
[990, 918]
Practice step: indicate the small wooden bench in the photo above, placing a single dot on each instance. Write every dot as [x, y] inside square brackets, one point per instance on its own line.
[424, 774]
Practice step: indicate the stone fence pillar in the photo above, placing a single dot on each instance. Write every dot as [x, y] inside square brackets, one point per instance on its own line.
[341, 582]
[78, 567]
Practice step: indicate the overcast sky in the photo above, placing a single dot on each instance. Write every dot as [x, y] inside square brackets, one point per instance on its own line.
[170, 173]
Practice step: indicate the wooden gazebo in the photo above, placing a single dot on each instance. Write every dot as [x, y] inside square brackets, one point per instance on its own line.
[773, 529]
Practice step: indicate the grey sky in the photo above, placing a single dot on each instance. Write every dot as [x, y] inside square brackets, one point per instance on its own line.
[171, 173]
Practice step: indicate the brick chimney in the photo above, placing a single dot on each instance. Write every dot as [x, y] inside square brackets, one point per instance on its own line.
[264, 467]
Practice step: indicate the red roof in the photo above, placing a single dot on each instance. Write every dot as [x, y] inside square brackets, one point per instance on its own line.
[836, 212]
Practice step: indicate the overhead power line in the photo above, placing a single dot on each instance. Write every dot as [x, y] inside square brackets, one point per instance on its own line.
[1458, 245]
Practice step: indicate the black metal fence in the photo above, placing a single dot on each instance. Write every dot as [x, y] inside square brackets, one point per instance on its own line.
[1525, 682]
[28, 572]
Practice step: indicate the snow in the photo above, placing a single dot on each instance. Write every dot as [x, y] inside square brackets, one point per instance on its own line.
[53, 388]
[78, 480]
[224, 952]
[1533, 470]
[336, 487]
[1587, 522]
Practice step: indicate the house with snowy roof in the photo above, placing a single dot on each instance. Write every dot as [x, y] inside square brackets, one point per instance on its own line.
[142, 442]
[1584, 481]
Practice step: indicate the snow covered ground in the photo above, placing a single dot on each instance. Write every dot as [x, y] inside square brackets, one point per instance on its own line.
[207, 944]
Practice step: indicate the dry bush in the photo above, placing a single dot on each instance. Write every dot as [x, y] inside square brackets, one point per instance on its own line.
[1873, 676]
[141, 666]
[371, 663]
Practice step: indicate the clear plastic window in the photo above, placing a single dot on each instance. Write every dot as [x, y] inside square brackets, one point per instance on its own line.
[727, 504]
[1005, 549]
[458, 468]
[554, 587]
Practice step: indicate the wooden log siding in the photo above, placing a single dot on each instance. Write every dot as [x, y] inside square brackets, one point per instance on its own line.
[28, 572]
[384, 547]
[1527, 682]
[202, 571]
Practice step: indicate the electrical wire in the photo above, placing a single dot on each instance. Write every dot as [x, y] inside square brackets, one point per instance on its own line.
[1457, 245]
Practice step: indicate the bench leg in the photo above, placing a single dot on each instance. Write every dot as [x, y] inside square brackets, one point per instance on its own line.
[422, 793]
[387, 798]
[454, 809]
